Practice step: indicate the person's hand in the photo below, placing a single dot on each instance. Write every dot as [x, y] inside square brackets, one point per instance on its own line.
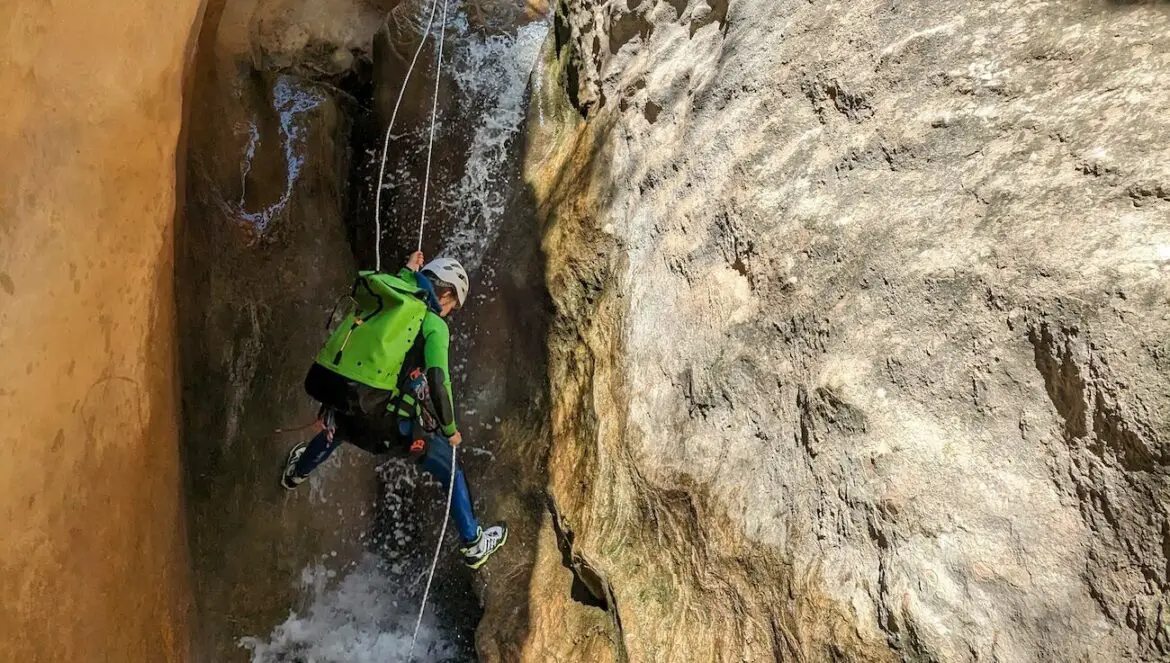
[416, 261]
[456, 439]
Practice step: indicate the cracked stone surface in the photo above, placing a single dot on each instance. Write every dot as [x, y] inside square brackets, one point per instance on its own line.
[861, 337]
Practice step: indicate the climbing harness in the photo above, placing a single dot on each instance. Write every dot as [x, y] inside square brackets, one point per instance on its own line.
[390, 128]
[421, 227]
[419, 388]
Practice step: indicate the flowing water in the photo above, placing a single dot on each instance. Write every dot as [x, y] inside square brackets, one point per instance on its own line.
[367, 613]
[364, 618]
[493, 71]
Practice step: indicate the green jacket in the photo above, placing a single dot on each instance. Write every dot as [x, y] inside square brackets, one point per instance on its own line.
[394, 329]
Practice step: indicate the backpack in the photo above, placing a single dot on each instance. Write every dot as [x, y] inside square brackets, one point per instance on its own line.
[371, 343]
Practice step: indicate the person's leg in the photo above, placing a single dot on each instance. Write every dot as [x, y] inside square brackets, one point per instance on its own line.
[438, 463]
[318, 451]
[308, 456]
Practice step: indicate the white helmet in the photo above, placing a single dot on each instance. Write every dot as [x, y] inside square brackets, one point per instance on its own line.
[450, 272]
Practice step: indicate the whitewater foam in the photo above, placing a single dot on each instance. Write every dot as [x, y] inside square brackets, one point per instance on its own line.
[364, 618]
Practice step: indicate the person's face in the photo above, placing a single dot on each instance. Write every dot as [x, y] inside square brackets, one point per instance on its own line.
[447, 304]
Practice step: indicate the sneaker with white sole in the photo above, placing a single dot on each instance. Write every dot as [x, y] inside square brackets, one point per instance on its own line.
[289, 478]
[490, 540]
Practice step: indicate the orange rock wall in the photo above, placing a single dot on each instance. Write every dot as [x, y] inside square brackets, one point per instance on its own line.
[92, 547]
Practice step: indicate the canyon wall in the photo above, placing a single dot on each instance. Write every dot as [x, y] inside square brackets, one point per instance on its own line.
[93, 560]
[855, 343]
[861, 338]
[263, 255]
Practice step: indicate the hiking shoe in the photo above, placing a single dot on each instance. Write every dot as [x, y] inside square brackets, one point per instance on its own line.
[289, 478]
[489, 540]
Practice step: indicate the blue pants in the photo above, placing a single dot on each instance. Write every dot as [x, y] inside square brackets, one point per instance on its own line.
[437, 462]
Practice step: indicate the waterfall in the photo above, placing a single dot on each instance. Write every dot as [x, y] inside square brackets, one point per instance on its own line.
[493, 73]
[366, 613]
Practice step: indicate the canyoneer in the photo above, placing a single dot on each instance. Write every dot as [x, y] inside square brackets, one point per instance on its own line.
[384, 383]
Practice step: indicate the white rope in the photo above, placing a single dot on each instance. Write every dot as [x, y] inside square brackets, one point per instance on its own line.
[434, 562]
[434, 111]
[421, 226]
[393, 117]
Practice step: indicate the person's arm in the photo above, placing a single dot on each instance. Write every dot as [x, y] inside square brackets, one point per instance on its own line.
[437, 342]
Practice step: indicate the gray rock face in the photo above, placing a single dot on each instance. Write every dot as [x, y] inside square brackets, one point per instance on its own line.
[878, 290]
[262, 255]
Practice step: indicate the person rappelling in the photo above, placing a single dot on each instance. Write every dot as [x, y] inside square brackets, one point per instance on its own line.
[383, 379]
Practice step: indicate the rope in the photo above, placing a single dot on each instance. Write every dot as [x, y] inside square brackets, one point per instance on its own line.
[434, 111]
[434, 562]
[298, 429]
[421, 227]
[390, 128]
